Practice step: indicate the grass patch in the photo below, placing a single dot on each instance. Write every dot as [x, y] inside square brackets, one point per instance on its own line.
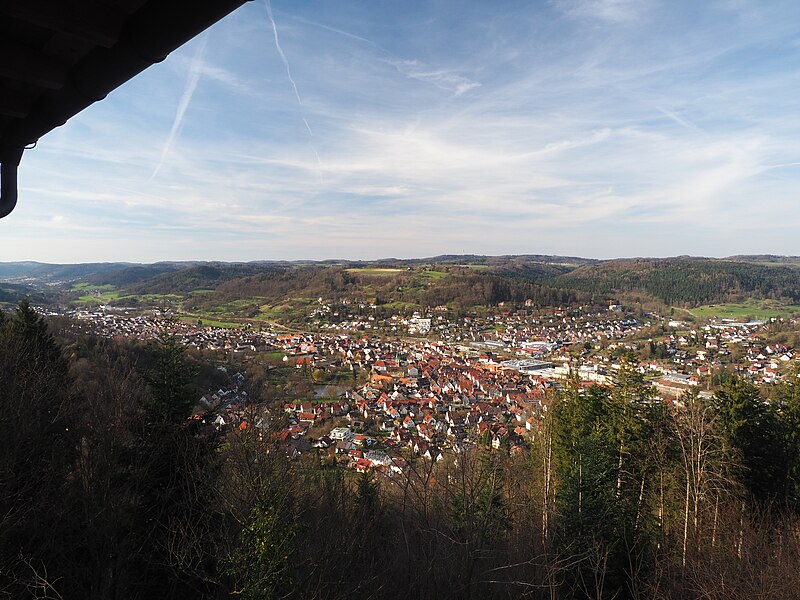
[211, 323]
[434, 275]
[157, 297]
[400, 305]
[291, 308]
[241, 303]
[101, 298]
[375, 271]
[270, 312]
[83, 286]
[245, 308]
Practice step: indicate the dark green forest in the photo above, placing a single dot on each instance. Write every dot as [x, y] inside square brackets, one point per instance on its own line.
[686, 281]
[110, 489]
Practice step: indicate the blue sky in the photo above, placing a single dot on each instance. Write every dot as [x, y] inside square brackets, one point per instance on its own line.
[598, 128]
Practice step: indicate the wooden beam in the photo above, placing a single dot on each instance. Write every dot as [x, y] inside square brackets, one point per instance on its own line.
[97, 23]
[24, 64]
[13, 103]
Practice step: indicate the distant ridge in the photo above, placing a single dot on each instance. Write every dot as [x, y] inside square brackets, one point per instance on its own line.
[764, 258]
[445, 279]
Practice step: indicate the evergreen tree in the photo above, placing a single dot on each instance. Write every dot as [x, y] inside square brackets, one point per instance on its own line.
[786, 404]
[605, 466]
[36, 437]
[174, 459]
[754, 436]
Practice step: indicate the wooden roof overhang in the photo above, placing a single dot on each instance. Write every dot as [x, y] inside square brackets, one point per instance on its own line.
[59, 56]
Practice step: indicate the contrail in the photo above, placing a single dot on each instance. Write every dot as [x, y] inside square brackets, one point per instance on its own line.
[283, 56]
[195, 69]
[680, 120]
[347, 34]
[291, 80]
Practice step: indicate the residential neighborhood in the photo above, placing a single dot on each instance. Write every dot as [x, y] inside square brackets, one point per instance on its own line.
[484, 379]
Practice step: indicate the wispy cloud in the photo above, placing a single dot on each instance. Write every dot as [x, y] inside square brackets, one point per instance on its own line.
[347, 34]
[291, 79]
[611, 11]
[683, 122]
[193, 77]
[441, 78]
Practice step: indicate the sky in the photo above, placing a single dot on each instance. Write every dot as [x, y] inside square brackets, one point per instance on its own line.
[373, 129]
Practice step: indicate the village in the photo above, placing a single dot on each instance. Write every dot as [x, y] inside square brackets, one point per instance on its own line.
[487, 380]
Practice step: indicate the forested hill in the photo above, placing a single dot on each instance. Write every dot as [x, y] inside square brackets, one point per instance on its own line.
[424, 287]
[686, 280]
[195, 277]
[467, 280]
[44, 272]
[491, 280]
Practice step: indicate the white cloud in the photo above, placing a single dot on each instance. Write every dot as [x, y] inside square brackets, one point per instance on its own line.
[611, 11]
[444, 79]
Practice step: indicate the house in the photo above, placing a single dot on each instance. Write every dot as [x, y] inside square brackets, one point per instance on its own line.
[307, 417]
[378, 457]
[341, 433]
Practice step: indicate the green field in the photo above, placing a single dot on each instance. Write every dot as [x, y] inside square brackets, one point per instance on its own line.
[83, 286]
[210, 322]
[156, 297]
[756, 310]
[102, 298]
[104, 294]
[399, 305]
[378, 272]
[434, 275]
[241, 308]
[296, 307]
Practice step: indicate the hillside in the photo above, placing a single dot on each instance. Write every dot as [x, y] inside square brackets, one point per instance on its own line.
[245, 289]
[12, 293]
[193, 277]
[686, 281]
[129, 275]
[52, 273]
[410, 287]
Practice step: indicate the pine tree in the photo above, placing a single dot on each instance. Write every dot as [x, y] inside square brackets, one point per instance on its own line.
[787, 405]
[174, 460]
[606, 469]
[753, 437]
[36, 434]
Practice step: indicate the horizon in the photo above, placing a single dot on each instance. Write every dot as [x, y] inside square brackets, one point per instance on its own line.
[594, 128]
[414, 258]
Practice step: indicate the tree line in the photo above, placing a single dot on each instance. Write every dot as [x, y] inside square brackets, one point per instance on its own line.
[673, 281]
[685, 281]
